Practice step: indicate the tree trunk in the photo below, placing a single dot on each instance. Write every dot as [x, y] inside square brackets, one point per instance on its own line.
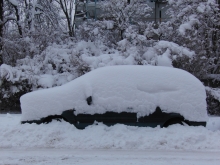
[122, 33]
[18, 20]
[1, 30]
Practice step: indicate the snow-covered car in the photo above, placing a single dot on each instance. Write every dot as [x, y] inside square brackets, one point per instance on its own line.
[131, 95]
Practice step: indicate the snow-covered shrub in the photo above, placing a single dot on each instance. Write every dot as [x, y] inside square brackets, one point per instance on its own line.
[16, 48]
[53, 67]
[59, 64]
[213, 100]
[98, 32]
[10, 92]
[11, 87]
[150, 30]
[195, 25]
[123, 14]
[144, 50]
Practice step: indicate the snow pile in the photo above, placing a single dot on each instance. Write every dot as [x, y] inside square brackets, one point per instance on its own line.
[122, 88]
[64, 135]
[213, 123]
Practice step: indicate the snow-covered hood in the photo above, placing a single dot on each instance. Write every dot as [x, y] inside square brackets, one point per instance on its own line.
[122, 88]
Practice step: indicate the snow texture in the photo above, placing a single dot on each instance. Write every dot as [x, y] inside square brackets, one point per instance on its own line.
[14, 2]
[175, 48]
[64, 135]
[188, 25]
[109, 24]
[46, 81]
[6, 72]
[215, 92]
[56, 156]
[122, 88]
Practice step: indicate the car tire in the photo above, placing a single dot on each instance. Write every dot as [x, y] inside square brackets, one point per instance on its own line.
[50, 118]
[175, 121]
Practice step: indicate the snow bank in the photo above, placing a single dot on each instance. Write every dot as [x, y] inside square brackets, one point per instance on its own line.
[122, 88]
[213, 123]
[64, 135]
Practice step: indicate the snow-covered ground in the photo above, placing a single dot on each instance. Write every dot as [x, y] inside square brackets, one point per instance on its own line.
[62, 143]
[106, 157]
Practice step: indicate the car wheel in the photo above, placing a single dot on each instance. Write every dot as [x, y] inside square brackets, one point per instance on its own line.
[175, 121]
[50, 118]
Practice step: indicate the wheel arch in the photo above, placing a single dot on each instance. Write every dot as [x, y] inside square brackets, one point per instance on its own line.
[48, 119]
[175, 119]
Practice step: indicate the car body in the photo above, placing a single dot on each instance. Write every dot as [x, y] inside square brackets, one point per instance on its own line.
[131, 95]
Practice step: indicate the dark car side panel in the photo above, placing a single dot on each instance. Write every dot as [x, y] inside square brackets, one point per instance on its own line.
[111, 118]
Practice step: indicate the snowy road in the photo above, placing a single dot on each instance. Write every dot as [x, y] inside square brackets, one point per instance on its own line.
[106, 157]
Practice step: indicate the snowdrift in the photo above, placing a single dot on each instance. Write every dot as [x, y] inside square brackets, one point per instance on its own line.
[62, 135]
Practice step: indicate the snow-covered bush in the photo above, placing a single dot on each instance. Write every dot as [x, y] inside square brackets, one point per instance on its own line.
[213, 100]
[10, 92]
[98, 32]
[61, 63]
[195, 25]
[123, 14]
[17, 48]
[143, 50]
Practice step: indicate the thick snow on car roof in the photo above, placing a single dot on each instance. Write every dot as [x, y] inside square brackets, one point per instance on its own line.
[122, 88]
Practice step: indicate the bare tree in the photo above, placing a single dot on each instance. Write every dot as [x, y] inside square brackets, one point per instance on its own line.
[70, 9]
[124, 13]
